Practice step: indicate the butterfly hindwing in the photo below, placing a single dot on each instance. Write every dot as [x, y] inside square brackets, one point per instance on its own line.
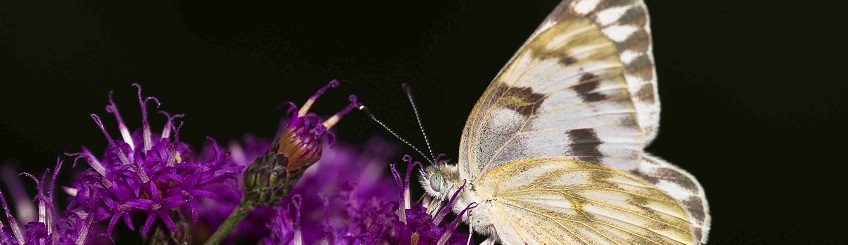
[568, 201]
[682, 186]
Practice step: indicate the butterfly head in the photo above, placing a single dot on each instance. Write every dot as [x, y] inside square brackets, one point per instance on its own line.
[440, 180]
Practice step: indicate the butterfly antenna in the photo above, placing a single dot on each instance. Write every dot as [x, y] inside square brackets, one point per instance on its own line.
[408, 93]
[374, 118]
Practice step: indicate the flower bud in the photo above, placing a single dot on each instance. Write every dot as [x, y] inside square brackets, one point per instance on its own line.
[268, 179]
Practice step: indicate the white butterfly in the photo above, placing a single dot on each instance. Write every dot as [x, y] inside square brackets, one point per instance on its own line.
[553, 152]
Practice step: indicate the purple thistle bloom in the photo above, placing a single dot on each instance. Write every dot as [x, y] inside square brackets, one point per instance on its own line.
[270, 177]
[352, 217]
[330, 176]
[149, 173]
[419, 224]
[350, 177]
[50, 227]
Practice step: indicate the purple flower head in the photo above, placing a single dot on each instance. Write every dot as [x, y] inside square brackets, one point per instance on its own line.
[419, 224]
[149, 173]
[331, 176]
[268, 179]
[352, 216]
[349, 177]
[50, 227]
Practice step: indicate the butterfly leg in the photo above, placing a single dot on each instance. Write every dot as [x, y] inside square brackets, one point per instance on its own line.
[489, 241]
[470, 228]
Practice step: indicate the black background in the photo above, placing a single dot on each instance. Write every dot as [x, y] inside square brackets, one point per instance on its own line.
[754, 93]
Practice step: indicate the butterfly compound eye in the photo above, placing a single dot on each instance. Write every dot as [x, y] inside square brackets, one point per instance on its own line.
[436, 182]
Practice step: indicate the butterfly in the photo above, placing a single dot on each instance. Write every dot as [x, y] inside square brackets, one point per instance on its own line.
[553, 151]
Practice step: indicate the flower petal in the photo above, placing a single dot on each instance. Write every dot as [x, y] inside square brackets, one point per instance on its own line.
[148, 223]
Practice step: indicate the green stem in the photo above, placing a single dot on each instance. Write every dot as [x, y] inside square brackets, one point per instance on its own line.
[238, 214]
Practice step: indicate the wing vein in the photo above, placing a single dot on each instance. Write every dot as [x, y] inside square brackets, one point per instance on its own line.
[561, 224]
[566, 129]
[621, 209]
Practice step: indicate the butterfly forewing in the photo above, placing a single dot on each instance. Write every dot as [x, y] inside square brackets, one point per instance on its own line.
[626, 23]
[565, 93]
[567, 201]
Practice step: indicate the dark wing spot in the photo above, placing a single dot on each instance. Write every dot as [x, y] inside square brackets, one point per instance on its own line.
[639, 41]
[635, 16]
[612, 3]
[521, 100]
[646, 93]
[567, 60]
[586, 88]
[641, 67]
[695, 207]
[584, 145]
[675, 176]
[560, 55]
[698, 233]
[649, 178]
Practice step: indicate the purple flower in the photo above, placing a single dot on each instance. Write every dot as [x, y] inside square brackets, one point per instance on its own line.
[345, 173]
[50, 227]
[329, 177]
[351, 216]
[420, 224]
[285, 229]
[149, 173]
[269, 178]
